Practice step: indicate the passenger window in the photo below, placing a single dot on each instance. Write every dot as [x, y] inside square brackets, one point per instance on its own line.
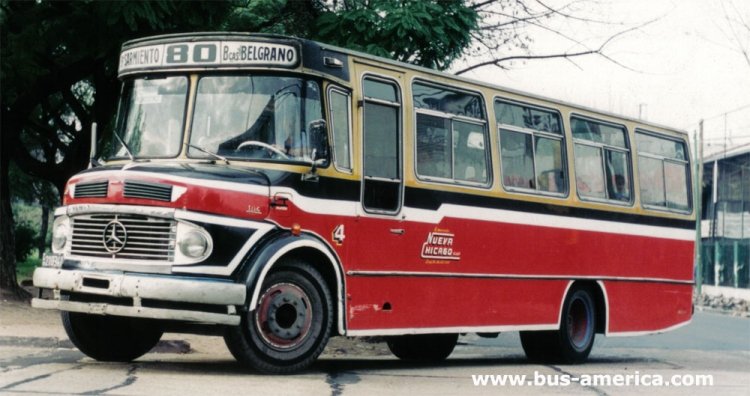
[602, 160]
[340, 105]
[589, 174]
[663, 172]
[432, 97]
[531, 148]
[434, 147]
[451, 135]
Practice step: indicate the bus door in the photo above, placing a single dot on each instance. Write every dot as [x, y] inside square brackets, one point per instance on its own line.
[380, 230]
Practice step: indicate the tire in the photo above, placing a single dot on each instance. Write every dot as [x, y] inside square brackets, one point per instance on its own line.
[111, 338]
[291, 324]
[423, 347]
[573, 342]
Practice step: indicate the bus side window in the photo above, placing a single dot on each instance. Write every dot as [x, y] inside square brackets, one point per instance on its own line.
[434, 153]
[602, 160]
[451, 135]
[470, 151]
[340, 105]
[663, 172]
[531, 148]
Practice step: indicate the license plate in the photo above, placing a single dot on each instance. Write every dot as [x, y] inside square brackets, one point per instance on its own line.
[52, 260]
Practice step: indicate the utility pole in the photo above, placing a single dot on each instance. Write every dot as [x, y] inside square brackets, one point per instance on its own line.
[698, 202]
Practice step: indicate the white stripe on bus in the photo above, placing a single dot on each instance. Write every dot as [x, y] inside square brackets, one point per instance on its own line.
[352, 209]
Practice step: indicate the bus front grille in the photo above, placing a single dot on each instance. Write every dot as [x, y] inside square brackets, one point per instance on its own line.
[123, 236]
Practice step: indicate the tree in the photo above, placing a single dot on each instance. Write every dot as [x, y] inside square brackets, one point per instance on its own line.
[59, 60]
[427, 33]
[507, 29]
[34, 191]
[58, 75]
[432, 33]
[736, 28]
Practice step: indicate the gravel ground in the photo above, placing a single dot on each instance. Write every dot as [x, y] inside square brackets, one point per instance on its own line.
[727, 305]
[20, 323]
[19, 320]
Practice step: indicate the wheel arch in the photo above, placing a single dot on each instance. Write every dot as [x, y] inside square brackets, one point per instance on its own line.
[601, 303]
[305, 247]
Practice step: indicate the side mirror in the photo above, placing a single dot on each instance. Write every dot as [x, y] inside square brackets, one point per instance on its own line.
[318, 133]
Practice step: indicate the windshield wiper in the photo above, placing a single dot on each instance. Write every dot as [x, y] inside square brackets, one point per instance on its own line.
[217, 156]
[125, 146]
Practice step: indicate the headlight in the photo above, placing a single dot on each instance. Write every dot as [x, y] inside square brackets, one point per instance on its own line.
[60, 230]
[194, 244]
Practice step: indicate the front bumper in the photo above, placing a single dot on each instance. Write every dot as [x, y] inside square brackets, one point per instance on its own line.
[142, 296]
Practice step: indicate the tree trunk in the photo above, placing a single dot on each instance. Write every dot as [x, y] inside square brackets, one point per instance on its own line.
[8, 281]
[42, 245]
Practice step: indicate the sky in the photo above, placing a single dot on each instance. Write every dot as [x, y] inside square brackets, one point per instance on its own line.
[682, 67]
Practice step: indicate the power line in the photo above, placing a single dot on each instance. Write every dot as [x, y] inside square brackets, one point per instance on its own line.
[728, 137]
[747, 106]
[724, 114]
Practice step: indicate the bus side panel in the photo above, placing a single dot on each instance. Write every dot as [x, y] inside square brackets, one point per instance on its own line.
[505, 248]
[433, 302]
[647, 306]
[500, 248]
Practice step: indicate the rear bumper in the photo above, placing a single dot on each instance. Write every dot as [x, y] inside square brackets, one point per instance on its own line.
[154, 297]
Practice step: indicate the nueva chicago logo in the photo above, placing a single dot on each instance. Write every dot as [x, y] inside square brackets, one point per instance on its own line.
[439, 246]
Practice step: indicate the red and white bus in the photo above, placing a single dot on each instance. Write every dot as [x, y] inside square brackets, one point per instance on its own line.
[280, 191]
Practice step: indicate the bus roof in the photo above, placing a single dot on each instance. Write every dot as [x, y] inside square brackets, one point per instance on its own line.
[308, 46]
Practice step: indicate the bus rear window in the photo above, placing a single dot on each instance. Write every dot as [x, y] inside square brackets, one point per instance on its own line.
[602, 161]
[663, 172]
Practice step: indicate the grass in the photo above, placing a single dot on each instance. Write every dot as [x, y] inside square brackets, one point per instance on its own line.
[25, 269]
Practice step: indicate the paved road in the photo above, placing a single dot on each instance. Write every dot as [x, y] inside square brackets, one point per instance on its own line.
[35, 358]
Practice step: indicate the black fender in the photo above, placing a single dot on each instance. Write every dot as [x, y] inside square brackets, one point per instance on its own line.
[262, 259]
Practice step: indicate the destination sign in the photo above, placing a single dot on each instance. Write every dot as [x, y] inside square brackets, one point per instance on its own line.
[208, 54]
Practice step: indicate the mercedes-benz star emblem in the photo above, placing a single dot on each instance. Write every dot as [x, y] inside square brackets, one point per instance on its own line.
[115, 236]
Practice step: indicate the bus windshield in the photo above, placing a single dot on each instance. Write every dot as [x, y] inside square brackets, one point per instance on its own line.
[150, 119]
[266, 117]
[258, 117]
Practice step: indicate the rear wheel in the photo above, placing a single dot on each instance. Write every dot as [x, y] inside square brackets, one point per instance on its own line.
[573, 342]
[111, 338]
[291, 324]
[423, 347]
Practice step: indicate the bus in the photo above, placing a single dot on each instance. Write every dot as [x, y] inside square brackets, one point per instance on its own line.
[279, 191]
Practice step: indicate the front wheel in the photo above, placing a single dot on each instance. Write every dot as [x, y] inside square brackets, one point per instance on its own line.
[573, 342]
[291, 324]
[423, 347]
[111, 338]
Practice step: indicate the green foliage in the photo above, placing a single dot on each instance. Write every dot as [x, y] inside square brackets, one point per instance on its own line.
[26, 237]
[31, 190]
[31, 215]
[258, 16]
[430, 33]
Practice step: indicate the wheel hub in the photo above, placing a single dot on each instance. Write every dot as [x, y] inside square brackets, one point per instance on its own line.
[580, 326]
[283, 316]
